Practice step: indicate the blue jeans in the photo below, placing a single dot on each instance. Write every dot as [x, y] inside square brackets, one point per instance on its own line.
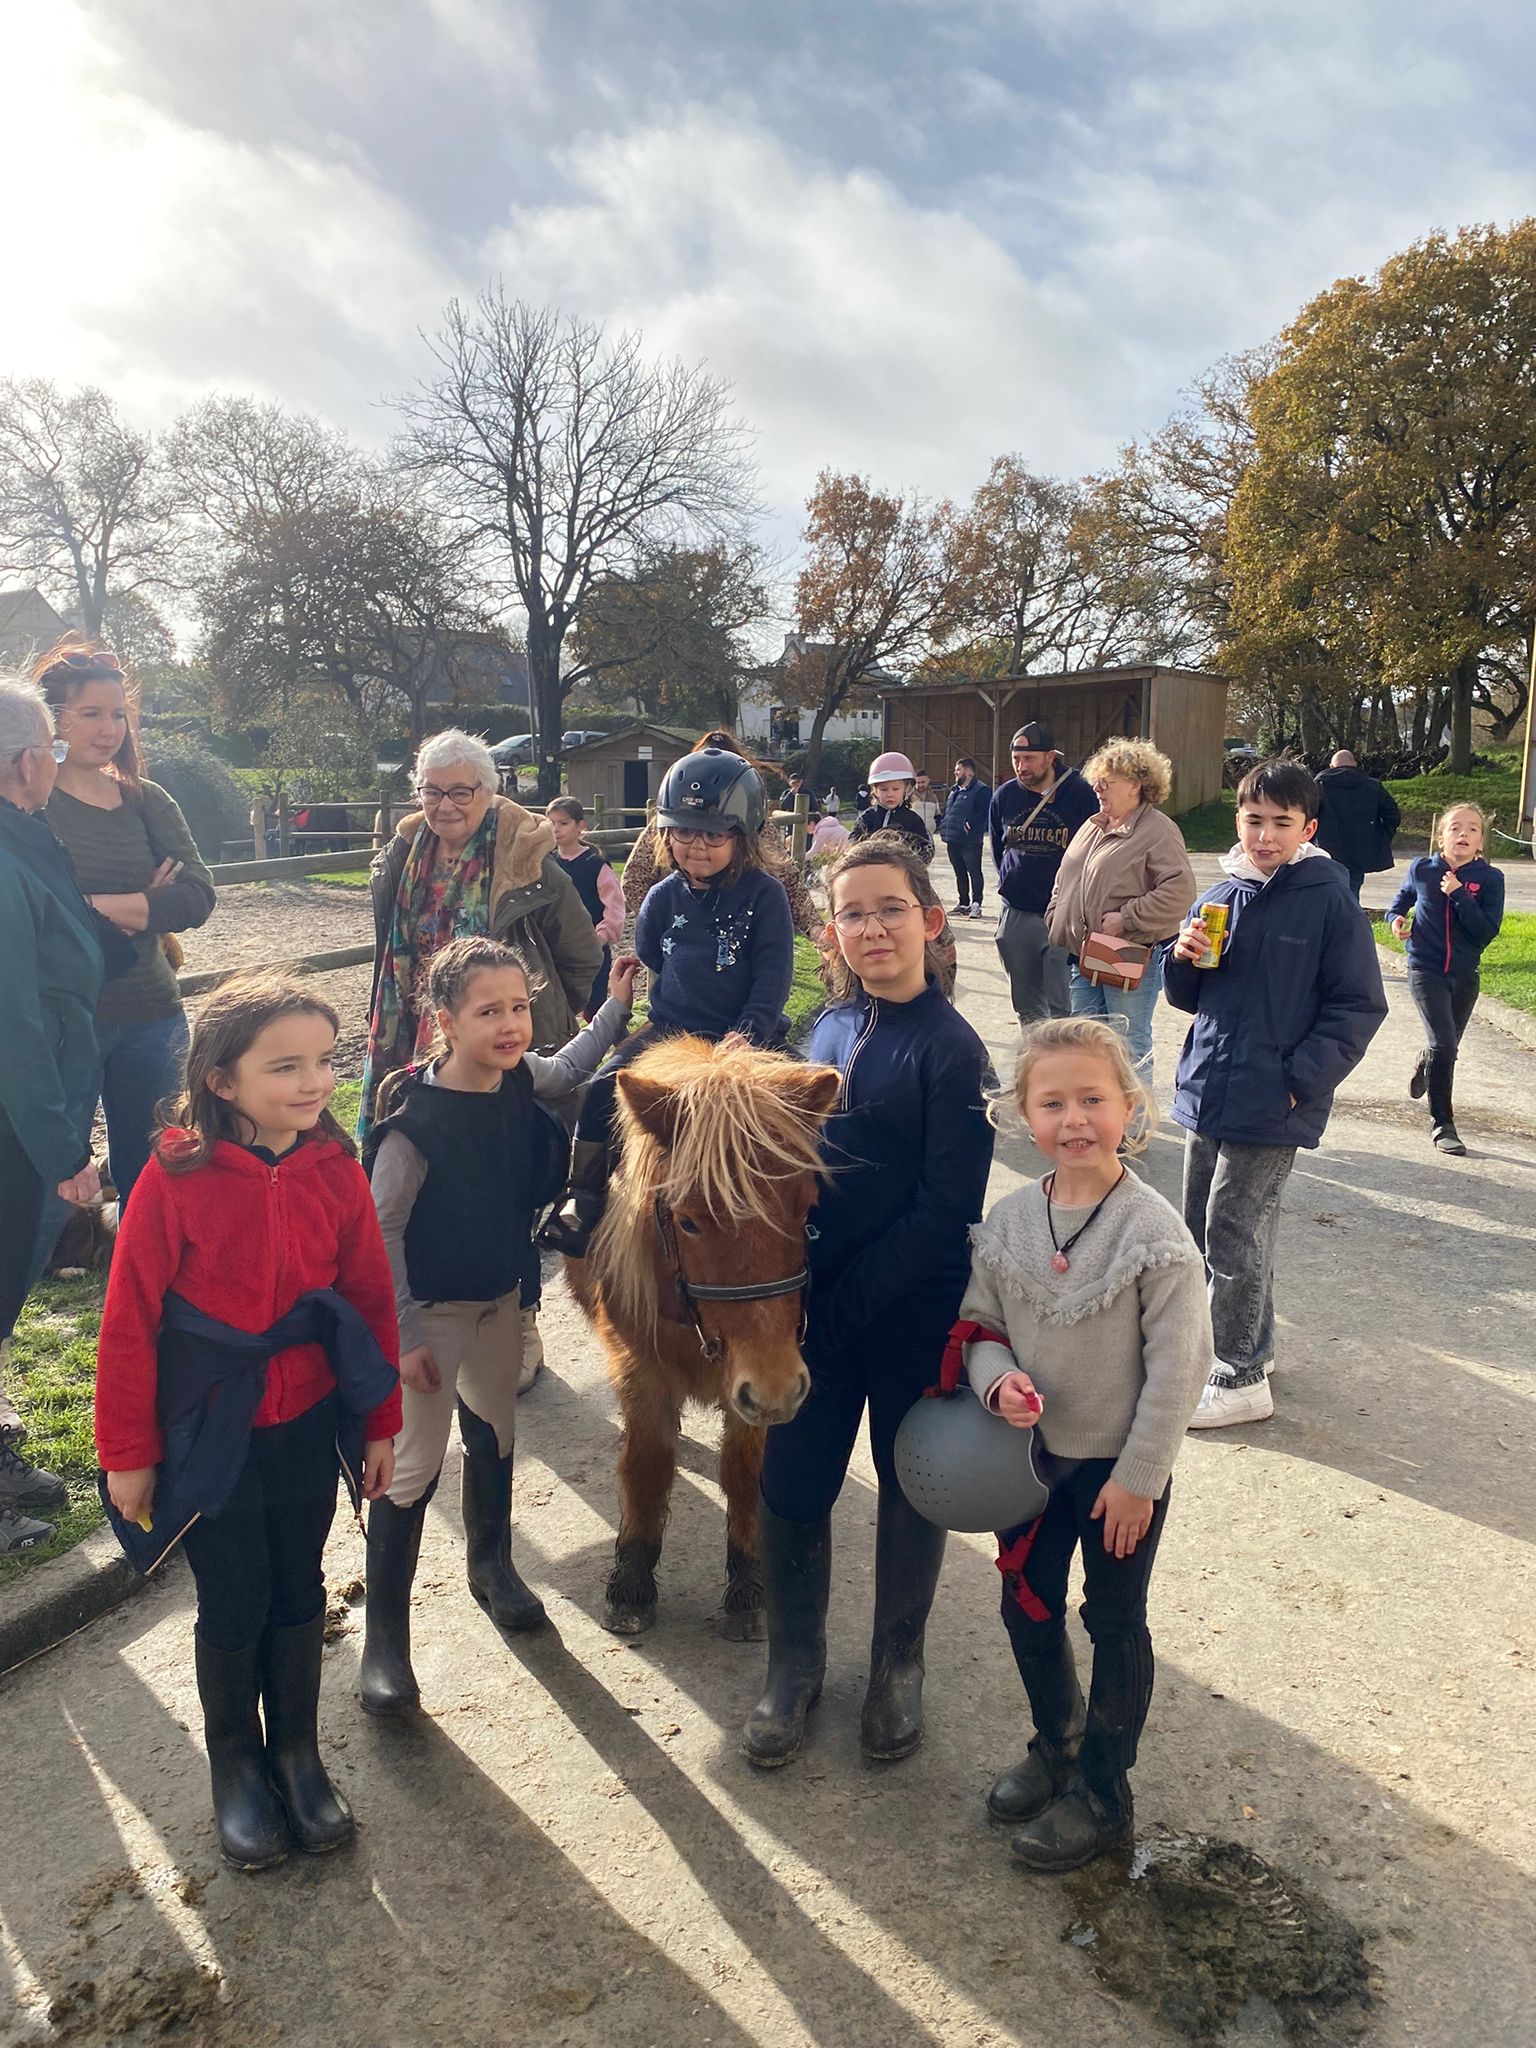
[1128, 1009]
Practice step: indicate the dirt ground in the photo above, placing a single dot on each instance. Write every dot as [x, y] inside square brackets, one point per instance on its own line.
[568, 1848]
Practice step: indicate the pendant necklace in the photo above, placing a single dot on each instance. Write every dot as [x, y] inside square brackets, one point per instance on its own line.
[1060, 1263]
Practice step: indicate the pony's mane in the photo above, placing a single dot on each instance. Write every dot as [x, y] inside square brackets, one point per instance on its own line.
[741, 1128]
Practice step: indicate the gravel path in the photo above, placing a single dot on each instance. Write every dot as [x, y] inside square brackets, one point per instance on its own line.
[269, 924]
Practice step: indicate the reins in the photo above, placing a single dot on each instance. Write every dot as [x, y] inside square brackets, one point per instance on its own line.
[691, 1292]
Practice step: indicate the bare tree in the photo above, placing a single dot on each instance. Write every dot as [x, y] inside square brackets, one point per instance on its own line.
[559, 453]
[84, 507]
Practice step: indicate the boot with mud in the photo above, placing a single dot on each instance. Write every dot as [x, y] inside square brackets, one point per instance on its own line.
[486, 1499]
[909, 1552]
[1095, 1812]
[253, 1835]
[386, 1682]
[1075, 1828]
[319, 1817]
[570, 1229]
[796, 1561]
[1442, 1117]
[1049, 1672]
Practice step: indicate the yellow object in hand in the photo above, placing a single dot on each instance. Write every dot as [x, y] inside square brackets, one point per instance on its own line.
[145, 1521]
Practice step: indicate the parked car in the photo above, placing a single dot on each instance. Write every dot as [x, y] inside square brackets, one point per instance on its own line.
[511, 752]
[579, 739]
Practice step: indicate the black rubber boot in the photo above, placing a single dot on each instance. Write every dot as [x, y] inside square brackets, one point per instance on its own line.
[570, 1229]
[1075, 1828]
[1442, 1074]
[319, 1817]
[386, 1682]
[253, 1834]
[796, 1559]
[1418, 1080]
[1049, 1672]
[1095, 1811]
[909, 1551]
[486, 1497]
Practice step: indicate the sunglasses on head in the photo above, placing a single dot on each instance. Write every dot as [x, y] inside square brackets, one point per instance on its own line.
[105, 663]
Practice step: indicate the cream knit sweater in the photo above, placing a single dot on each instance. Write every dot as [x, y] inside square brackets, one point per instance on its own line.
[1119, 1346]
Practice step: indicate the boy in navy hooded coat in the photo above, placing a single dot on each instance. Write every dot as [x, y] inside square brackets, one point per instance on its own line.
[1284, 1016]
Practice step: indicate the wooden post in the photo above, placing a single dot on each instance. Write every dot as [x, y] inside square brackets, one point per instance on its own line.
[597, 814]
[284, 830]
[385, 832]
[259, 829]
[797, 830]
[1527, 821]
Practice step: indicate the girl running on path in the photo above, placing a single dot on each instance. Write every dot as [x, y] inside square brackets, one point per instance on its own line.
[462, 1158]
[594, 882]
[247, 1351]
[908, 1147]
[1091, 1281]
[1456, 901]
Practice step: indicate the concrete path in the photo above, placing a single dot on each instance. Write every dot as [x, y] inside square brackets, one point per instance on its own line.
[568, 1848]
[1519, 878]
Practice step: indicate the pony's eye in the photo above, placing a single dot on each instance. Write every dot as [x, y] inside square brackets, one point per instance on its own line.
[687, 1224]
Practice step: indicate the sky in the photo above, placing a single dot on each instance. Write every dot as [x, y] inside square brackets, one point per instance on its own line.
[913, 234]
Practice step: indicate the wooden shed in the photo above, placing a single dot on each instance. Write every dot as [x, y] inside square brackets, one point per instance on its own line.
[622, 771]
[1183, 711]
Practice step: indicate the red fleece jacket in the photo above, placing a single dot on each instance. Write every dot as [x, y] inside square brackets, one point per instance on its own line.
[240, 1240]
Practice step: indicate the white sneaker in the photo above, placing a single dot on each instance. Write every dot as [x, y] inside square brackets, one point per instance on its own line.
[975, 913]
[533, 1351]
[1226, 1401]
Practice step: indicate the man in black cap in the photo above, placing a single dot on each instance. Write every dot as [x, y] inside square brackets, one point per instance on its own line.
[1032, 818]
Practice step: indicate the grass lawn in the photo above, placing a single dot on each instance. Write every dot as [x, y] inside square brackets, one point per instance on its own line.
[1509, 965]
[52, 1379]
[1209, 828]
[1420, 798]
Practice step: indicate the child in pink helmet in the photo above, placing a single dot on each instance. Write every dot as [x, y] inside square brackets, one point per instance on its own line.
[892, 779]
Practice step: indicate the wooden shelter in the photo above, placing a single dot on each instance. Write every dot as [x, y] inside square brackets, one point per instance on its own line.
[1182, 711]
[621, 772]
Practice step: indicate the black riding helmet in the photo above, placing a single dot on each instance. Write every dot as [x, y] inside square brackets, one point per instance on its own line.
[712, 791]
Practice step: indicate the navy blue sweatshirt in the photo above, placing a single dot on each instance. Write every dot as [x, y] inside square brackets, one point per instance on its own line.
[902, 819]
[1041, 832]
[721, 958]
[1449, 933]
[909, 1147]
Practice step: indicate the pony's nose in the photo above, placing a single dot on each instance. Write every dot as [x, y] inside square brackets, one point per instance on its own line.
[757, 1405]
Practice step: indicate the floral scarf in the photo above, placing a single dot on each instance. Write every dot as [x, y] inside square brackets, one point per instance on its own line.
[432, 906]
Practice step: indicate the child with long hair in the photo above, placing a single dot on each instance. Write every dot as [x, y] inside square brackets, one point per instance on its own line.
[463, 1156]
[1449, 911]
[248, 1350]
[1095, 1330]
[717, 938]
[908, 1149]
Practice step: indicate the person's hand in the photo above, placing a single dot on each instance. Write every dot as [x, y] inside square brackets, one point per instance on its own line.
[418, 1369]
[1448, 883]
[1112, 923]
[132, 1493]
[621, 980]
[735, 1041]
[85, 1186]
[1126, 1517]
[129, 913]
[1400, 927]
[1017, 1401]
[378, 1467]
[1193, 941]
[167, 871]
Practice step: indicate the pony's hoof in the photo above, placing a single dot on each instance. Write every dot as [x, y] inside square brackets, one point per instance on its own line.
[741, 1624]
[628, 1621]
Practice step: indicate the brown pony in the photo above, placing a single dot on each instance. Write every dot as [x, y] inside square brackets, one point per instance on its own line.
[694, 1280]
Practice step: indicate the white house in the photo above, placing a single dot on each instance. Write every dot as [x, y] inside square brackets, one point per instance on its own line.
[767, 721]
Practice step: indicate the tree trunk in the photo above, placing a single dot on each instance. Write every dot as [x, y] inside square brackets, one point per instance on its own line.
[813, 750]
[546, 705]
[1465, 675]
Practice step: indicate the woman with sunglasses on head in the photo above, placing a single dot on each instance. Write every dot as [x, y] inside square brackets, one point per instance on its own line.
[718, 939]
[139, 866]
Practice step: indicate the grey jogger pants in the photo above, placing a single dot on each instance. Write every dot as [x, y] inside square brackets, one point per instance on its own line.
[1037, 971]
[1232, 1206]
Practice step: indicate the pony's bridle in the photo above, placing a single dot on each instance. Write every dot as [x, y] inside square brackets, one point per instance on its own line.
[691, 1292]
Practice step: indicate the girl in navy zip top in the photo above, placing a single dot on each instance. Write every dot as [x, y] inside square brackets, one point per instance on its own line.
[908, 1150]
[1455, 900]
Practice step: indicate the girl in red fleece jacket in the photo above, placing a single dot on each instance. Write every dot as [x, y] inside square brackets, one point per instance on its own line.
[253, 1204]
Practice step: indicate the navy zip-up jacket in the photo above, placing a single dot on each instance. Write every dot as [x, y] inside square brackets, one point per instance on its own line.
[909, 1148]
[1026, 871]
[1449, 933]
[900, 818]
[721, 958]
[1290, 1010]
[965, 812]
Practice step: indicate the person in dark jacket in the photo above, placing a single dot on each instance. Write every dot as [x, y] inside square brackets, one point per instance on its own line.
[1456, 898]
[892, 785]
[1355, 819]
[1032, 821]
[963, 829]
[1282, 1017]
[48, 994]
[908, 1147]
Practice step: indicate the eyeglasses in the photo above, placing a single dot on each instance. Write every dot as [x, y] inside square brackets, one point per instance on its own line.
[889, 916]
[694, 832]
[461, 796]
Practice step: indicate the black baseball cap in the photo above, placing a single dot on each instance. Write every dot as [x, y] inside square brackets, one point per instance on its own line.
[1034, 738]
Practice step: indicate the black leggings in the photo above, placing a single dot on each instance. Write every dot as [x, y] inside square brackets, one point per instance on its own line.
[1445, 1002]
[965, 859]
[259, 1560]
[1114, 1612]
[600, 1104]
[21, 1213]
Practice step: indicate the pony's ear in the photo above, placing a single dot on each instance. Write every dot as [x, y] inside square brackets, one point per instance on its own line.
[813, 1090]
[653, 1104]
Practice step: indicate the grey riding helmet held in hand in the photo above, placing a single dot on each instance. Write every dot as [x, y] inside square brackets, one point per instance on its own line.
[964, 1468]
[712, 791]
